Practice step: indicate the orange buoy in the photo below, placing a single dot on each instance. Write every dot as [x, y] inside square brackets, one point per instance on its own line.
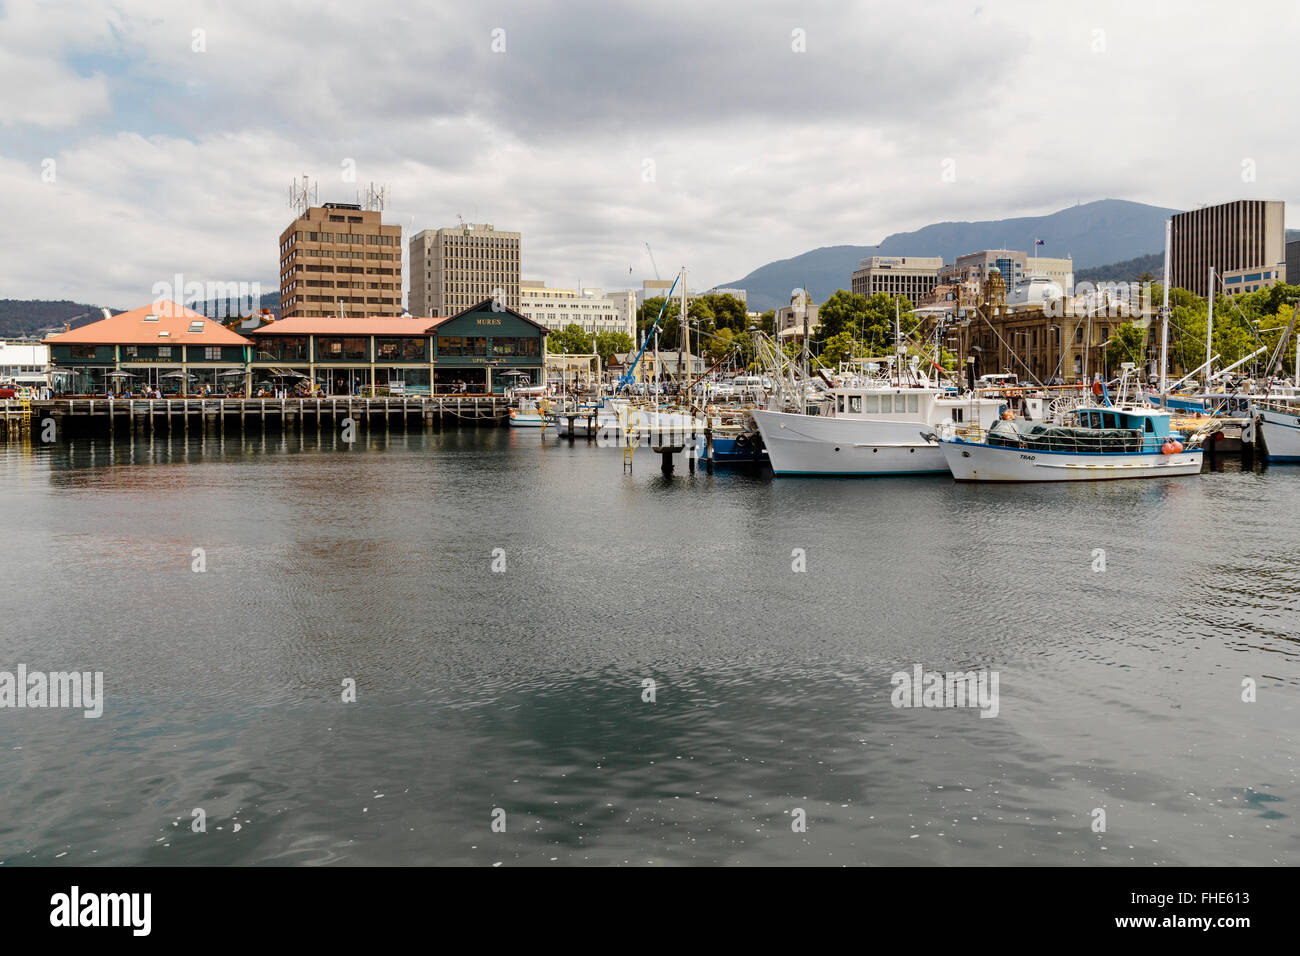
[1167, 448]
[1008, 414]
[1178, 446]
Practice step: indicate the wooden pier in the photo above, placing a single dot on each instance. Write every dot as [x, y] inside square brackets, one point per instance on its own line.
[90, 415]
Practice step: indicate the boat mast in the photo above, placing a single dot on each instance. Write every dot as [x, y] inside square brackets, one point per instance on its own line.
[1164, 312]
[686, 337]
[898, 356]
[1209, 331]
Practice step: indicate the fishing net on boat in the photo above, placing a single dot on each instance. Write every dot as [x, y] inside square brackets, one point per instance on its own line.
[1041, 437]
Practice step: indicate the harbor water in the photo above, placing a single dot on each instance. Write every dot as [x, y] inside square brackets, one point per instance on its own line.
[558, 663]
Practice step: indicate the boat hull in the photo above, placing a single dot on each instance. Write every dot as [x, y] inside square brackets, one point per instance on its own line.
[744, 450]
[817, 445]
[1280, 432]
[970, 461]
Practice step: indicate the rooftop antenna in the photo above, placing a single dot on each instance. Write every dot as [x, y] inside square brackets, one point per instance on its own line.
[372, 199]
[303, 195]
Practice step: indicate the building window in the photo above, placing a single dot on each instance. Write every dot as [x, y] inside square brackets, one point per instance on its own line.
[83, 351]
[283, 348]
[211, 354]
[400, 350]
[340, 349]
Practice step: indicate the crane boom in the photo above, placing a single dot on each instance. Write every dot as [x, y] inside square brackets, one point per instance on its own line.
[626, 378]
[652, 260]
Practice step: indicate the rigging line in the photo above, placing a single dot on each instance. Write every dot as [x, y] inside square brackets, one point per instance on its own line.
[1011, 350]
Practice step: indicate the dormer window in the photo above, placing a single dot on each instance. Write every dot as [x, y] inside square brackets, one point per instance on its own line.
[151, 318]
[197, 325]
[163, 333]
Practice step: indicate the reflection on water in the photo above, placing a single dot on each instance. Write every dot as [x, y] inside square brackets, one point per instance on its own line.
[523, 690]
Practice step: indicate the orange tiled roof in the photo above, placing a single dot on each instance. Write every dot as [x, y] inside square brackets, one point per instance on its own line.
[331, 325]
[133, 328]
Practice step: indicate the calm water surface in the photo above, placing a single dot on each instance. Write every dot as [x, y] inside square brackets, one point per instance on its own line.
[522, 690]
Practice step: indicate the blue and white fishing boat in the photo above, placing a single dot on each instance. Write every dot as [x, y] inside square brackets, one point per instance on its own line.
[1092, 443]
[1278, 418]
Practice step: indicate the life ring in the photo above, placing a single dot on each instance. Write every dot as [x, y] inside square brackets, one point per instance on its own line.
[1097, 388]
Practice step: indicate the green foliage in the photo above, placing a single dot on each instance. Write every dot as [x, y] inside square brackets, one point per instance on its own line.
[669, 325]
[840, 348]
[570, 340]
[1242, 324]
[870, 320]
[719, 344]
[708, 314]
[607, 343]
[1128, 344]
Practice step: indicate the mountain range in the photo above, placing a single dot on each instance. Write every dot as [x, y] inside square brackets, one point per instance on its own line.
[1093, 234]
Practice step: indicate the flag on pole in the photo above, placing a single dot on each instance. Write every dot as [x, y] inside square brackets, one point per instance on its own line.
[1039, 242]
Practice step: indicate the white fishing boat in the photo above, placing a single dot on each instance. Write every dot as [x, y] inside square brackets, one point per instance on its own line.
[871, 429]
[1279, 428]
[526, 414]
[1093, 443]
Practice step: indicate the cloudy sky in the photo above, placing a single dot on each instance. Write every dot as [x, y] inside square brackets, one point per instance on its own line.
[726, 135]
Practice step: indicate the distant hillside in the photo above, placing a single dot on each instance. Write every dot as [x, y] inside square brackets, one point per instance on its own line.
[21, 318]
[26, 317]
[1126, 271]
[217, 309]
[1093, 233]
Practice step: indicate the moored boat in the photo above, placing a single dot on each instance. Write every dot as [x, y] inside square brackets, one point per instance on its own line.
[1094, 443]
[871, 430]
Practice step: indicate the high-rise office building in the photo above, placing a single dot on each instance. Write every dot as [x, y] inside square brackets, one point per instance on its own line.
[911, 276]
[340, 259]
[1244, 240]
[460, 266]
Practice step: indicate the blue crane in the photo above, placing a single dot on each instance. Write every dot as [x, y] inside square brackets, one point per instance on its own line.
[625, 379]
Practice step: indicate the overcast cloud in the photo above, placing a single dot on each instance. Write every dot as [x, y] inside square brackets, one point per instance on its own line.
[168, 160]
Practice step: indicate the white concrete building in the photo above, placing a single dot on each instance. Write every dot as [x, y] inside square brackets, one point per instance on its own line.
[460, 266]
[594, 310]
[24, 363]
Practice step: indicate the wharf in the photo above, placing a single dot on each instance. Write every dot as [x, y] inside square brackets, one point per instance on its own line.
[89, 415]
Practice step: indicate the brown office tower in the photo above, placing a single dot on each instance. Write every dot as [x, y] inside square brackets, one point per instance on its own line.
[339, 259]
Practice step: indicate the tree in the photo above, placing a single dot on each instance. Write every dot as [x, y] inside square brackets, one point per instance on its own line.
[570, 340]
[728, 312]
[607, 343]
[843, 311]
[669, 327]
[840, 348]
[1126, 345]
[719, 343]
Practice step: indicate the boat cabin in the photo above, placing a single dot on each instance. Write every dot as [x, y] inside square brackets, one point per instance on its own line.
[925, 405]
[1099, 430]
[1152, 423]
